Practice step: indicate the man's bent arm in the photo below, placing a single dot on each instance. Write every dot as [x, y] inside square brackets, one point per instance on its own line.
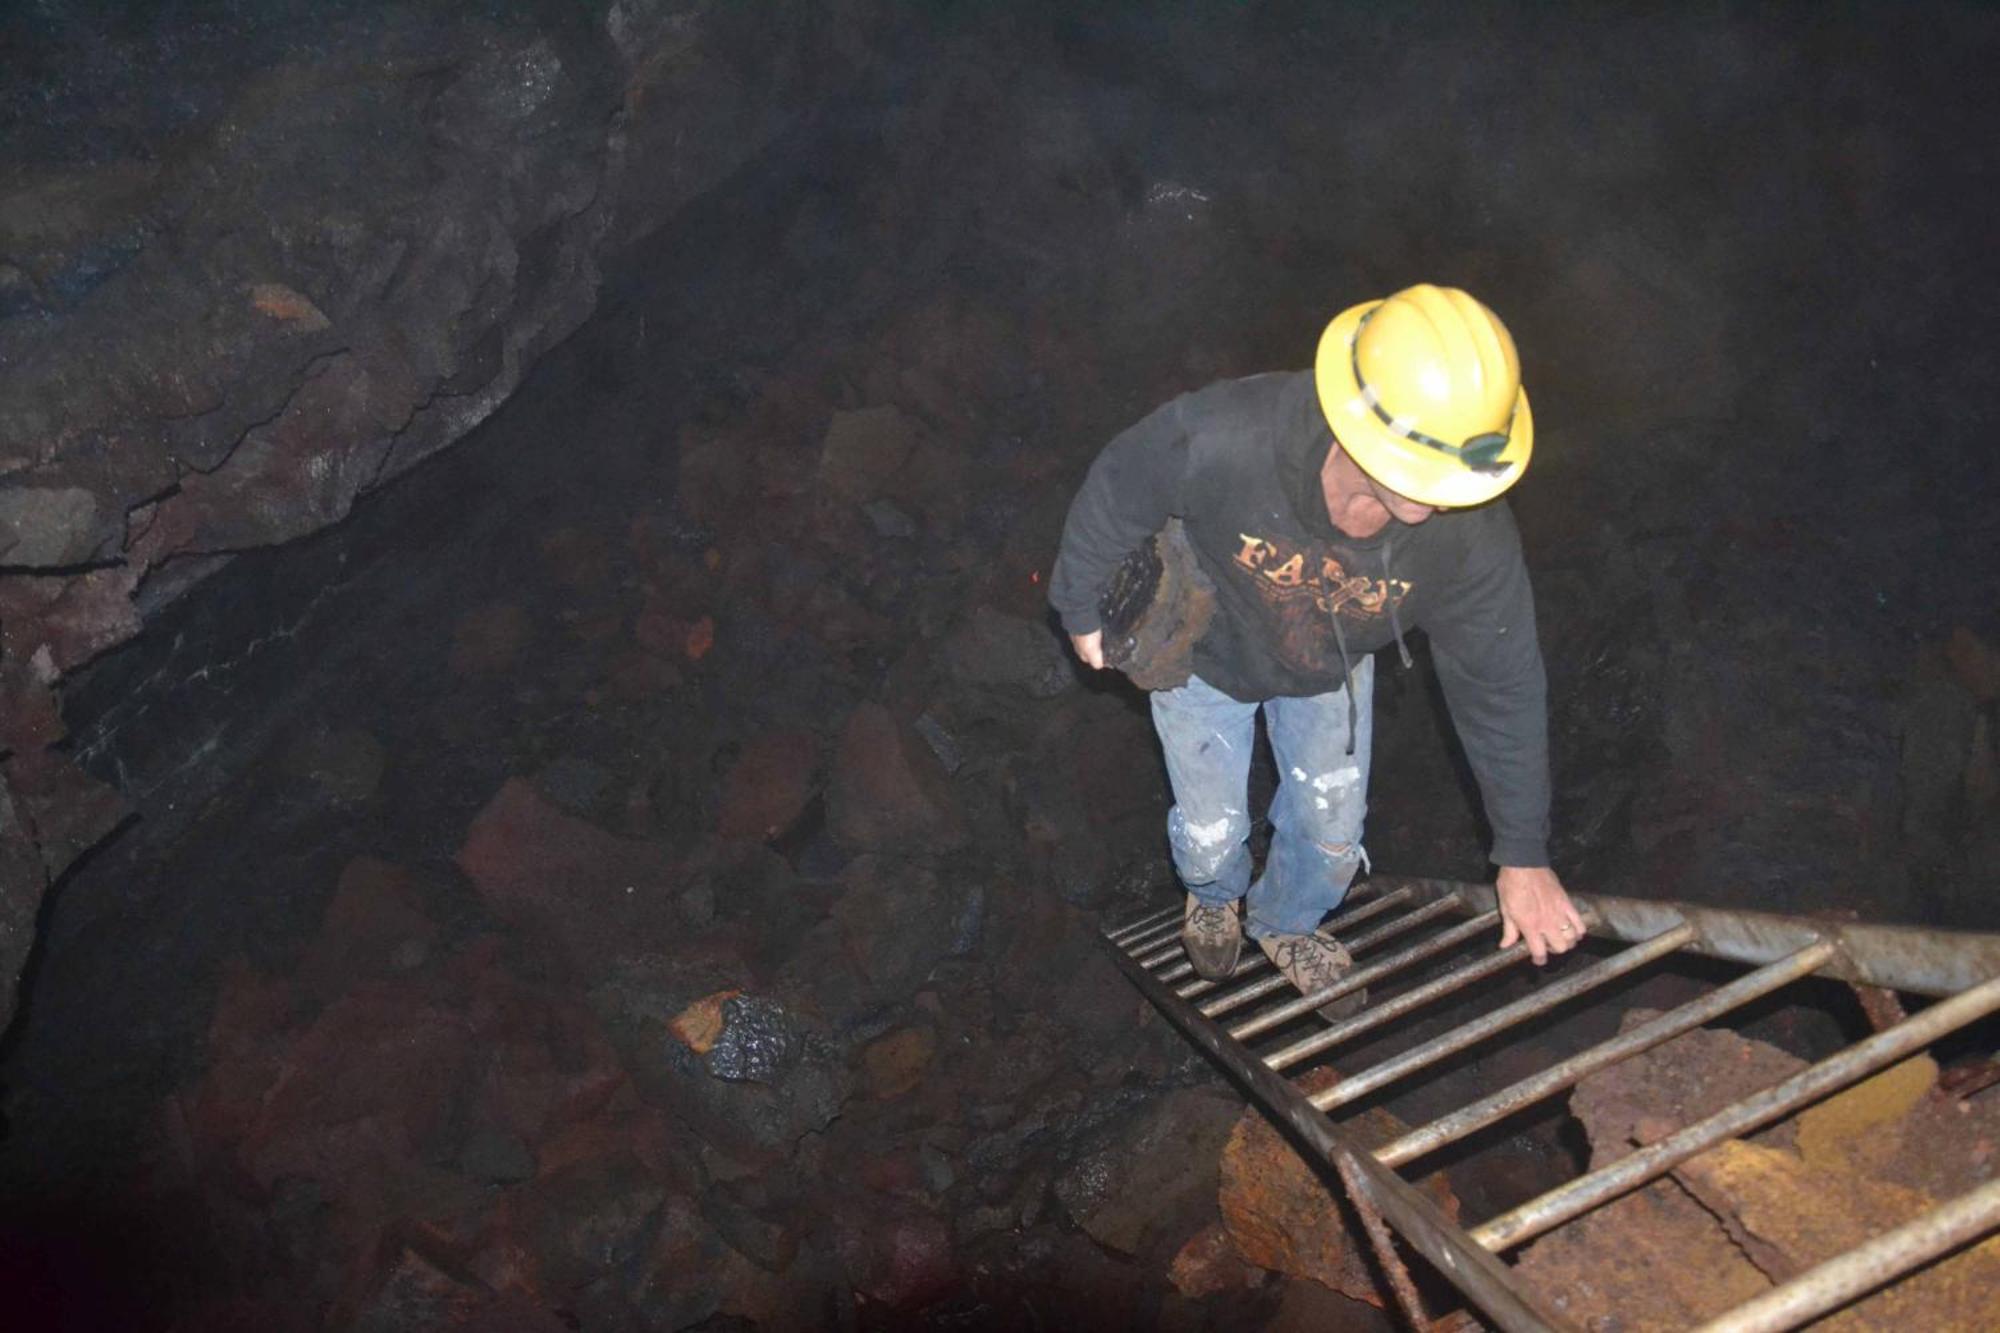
[1490, 664]
[1131, 491]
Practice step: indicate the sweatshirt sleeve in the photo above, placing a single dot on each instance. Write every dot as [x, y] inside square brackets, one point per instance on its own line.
[1132, 489]
[1490, 664]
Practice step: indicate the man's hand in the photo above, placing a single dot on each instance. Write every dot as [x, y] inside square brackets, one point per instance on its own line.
[1535, 907]
[1089, 647]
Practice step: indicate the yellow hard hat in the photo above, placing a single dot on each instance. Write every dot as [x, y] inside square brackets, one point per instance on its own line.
[1423, 391]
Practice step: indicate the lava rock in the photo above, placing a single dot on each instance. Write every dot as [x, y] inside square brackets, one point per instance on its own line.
[590, 1218]
[888, 791]
[897, 1256]
[485, 641]
[1284, 1215]
[863, 451]
[1208, 1263]
[750, 1075]
[893, 1064]
[364, 1091]
[496, 1157]
[898, 920]
[375, 927]
[740, 1213]
[54, 526]
[769, 785]
[1011, 654]
[416, 1294]
[682, 1278]
[1149, 1185]
[757, 1041]
[548, 873]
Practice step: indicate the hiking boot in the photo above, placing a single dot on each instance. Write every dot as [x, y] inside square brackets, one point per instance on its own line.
[1213, 937]
[1312, 963]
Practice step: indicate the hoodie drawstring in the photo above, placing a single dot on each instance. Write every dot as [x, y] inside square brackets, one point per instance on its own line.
[1346, 670]
[1347, 664]
[1395, 621]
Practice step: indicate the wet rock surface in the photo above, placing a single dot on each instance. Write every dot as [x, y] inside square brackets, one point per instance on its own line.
[639, 870]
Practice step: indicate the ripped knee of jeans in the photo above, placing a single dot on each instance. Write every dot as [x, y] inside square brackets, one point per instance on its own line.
[1345, 852]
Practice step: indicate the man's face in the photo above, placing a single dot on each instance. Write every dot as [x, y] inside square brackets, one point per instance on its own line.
[1361, 506]
[1401, 507]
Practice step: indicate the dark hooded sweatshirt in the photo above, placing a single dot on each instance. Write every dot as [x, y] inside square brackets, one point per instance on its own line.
[1239, 462]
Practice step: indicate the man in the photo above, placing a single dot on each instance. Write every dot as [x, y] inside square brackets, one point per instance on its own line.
[1334, 510]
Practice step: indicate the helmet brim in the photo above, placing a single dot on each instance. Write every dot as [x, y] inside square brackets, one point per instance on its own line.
[1404, 466]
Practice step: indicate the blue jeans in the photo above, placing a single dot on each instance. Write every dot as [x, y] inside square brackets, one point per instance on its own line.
[1316, 815]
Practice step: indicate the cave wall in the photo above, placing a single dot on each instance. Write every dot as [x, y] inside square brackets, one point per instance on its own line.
[257, 260]
[258, 264]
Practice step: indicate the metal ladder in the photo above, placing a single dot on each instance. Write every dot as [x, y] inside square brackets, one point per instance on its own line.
[1961, 971]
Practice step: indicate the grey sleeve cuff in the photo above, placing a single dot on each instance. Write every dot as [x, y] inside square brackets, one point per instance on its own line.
[1525, 853]
[1081, 622]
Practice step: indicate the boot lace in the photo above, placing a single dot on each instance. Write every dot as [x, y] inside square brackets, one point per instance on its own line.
[1309, 962]
[1210, 920]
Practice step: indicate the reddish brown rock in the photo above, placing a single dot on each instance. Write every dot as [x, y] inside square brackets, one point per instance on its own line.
[1651, 1262]
[245, 1051]
[888, 790]
[1285, 1216]
[590, 1218]
[683, 1278]
[70, 619]
[543, 870]
[863, 452]
[542, 1060]
[641, 675]
[1975, 663]
[1732, 1221]
[486, 640]
[714, 473]
[1694, 1075]
[769, 785]
[415, 1293]
[660, 630]
[699, 1025]
[899, 1257]
[896, 921]
[1789, 1215]
[1147, 1189]
[893, 1064]
[362, 1092]
[69, 811]
[579, 558]
[374, 927]
[287, 306]
[1209, 1263]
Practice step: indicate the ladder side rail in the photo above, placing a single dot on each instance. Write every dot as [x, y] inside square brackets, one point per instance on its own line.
[1474, 1270]
[1921, 962]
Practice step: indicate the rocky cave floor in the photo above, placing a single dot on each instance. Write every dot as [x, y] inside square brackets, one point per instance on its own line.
[642, 869]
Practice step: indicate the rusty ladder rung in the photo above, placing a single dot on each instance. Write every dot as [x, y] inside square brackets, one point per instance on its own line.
[1962, 970]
